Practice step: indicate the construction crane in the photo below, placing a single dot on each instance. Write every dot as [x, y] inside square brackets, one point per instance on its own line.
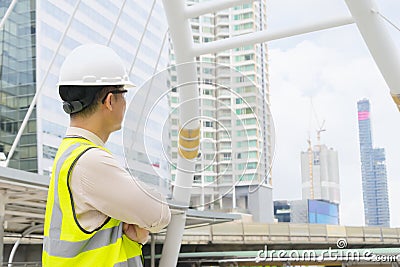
[319, 131]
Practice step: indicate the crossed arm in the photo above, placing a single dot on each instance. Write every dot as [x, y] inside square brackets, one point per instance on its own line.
[101, 188]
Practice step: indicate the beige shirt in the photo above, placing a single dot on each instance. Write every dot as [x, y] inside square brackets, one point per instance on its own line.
[102, 188]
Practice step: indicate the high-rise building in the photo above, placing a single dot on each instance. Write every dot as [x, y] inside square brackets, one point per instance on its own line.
[236, 125]
[18, 82]
[320, 174]
[373, 171]
[34, 42]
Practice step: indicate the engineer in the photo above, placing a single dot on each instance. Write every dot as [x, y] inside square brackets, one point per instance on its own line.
[97, 214]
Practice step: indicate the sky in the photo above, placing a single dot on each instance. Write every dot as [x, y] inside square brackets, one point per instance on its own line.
[333, 69]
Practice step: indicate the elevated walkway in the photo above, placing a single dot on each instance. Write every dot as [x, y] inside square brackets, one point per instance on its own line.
[290, 236]
[23, 199]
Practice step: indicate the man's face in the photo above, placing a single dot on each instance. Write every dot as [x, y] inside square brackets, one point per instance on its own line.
[120, 106]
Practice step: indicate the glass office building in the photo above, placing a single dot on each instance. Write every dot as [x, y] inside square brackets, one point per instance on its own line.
[373, 171]
[35, 41]
[18, 82]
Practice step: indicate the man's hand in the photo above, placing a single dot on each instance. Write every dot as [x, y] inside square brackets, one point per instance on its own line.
[135, 233]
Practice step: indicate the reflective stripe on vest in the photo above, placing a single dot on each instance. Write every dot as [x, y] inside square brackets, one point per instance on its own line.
[65, 243]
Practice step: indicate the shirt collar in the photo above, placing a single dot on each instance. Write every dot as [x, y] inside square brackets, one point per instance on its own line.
[75, 131]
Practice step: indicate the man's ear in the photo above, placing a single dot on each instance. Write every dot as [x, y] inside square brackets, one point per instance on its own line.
[107, 102]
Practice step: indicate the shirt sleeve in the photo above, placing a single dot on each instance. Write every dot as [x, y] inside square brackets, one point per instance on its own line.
[110, 189]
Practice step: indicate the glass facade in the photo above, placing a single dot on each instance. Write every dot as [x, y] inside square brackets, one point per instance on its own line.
[315, 211]
[18, 82]
[373, 171]
[35, 41]
[323, 212]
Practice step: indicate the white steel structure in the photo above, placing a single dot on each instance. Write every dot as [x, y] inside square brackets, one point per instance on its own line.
[364, 13]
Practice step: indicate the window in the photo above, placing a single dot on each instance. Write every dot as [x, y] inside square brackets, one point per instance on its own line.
[243, 48]
[210, 168]
[250, 132]
[240, 79]
[207, 145]
[207, 30]
[245, 6]
[249, 67]
[246, 166]
[252, 165]
[207, 19]
[49, 152]
[245, 177]
[253, 143]
[252, 154]
[197, 179]
[209, 113]
[207, 92]
[209, 156]
[208, 135]
[227, 156]
[209, 179]
[244, 26]
[207, 70]
[208, 123]
[244, 57]
[243, 16]
[244, 111]
[208, 102]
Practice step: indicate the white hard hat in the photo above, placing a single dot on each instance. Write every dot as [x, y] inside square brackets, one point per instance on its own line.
[93, 64]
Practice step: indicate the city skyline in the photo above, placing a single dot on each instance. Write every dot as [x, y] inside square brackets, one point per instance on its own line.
[339, 75]
[335, 69]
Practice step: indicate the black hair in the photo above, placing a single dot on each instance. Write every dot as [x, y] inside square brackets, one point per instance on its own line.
[83, 100]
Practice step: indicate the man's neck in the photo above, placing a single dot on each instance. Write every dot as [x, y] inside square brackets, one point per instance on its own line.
[91, 127]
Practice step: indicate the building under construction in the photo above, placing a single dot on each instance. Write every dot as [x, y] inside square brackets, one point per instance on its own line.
[320, 174]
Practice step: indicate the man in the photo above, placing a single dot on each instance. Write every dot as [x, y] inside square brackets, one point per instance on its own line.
[96, 213]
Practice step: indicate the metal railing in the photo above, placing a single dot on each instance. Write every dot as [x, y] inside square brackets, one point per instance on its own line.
[22, 264]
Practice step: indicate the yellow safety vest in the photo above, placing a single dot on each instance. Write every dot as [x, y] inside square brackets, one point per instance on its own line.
[65, 242]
